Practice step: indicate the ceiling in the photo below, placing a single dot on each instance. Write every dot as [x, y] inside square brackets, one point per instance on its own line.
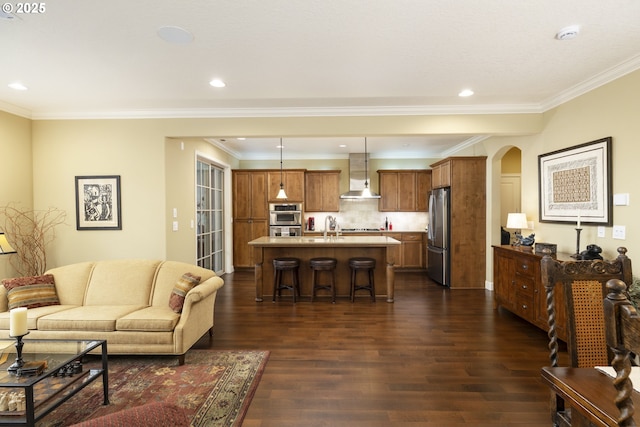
[97, 59]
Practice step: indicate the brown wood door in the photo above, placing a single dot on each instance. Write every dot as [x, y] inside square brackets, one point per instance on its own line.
[412, 253]
[259, 206]
[423, 186]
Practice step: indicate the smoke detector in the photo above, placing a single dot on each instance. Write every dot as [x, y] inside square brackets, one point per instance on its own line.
[568, 33]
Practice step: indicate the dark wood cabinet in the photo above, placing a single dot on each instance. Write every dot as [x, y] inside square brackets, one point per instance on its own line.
[466, 176]
[410, 254]
[250, 213]
[322, 191]
[404, 190]
[518, 286]
[293, 182]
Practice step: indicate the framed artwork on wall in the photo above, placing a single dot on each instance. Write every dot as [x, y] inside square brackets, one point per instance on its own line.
[98, 203]
[575, 184]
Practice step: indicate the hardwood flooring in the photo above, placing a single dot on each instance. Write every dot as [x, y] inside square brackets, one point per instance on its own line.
[435, 357]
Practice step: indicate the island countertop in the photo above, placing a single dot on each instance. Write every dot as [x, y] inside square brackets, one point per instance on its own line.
[342, 248]
[346, 241]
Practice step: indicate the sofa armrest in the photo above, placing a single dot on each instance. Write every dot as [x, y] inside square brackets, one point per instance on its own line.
[203, 290]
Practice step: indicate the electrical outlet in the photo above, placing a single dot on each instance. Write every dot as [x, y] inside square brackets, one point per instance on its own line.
[600, 231]
[619, 232]
[175, 225]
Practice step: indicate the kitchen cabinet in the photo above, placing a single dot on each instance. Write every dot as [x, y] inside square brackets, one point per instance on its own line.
[410, 254]
[322, 191]
[250, 213]
[293, 181]
[466, 177]
[518, 287]
[404, 190]
[441, 174]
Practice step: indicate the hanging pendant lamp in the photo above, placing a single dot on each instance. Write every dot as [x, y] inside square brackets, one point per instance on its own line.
[367, 191]
[281, 193]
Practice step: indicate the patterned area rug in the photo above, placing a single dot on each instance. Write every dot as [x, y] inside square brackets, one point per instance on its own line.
[214, 388]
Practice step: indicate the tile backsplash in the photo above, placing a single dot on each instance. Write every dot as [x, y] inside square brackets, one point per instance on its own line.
[355, 213]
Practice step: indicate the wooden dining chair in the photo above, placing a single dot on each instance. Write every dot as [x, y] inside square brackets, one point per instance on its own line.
[584, 289]
[622, 326]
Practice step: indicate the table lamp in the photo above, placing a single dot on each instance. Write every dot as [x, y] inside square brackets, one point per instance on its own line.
[5, 247]
[517, 222]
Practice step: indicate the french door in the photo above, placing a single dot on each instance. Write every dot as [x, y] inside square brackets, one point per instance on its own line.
[210, 216]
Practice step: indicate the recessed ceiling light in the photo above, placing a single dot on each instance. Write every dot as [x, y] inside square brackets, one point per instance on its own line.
[17, 86]
[568, 33]
[175, 35]
[465, 93]
[342, 145]
[217, 83]
[241, 139]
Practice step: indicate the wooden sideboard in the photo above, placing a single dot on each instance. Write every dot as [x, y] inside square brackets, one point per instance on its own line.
[518, 286]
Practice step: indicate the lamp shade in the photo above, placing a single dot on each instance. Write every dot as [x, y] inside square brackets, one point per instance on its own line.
[517, 221]
[5, 247]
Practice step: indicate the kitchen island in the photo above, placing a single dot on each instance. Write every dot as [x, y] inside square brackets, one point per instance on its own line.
[341, 248]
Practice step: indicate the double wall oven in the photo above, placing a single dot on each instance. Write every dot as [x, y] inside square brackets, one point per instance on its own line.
[285, 219]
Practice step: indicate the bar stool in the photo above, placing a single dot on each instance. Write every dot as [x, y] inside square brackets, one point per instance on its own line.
[280, 265]
[368, 266]
[319, 265]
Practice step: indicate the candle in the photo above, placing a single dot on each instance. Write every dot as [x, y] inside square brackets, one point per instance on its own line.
[578, 220]
[18, 322]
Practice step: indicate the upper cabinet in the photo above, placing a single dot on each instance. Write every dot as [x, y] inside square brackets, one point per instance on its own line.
[404, 190]
[249, 195]
[322, 191]
[441, 174]
[293, 181]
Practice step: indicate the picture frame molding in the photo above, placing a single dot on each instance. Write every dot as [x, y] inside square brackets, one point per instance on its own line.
[593, 160]
[114, 222]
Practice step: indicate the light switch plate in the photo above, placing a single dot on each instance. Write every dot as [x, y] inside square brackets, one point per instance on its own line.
[175, 225]
[601, 231]
[619, 232]
[621, 199]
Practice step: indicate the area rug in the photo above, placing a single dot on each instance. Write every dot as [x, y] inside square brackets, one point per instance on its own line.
[214, 388]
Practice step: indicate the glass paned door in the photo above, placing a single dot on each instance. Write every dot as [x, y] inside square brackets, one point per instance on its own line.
[210, 214]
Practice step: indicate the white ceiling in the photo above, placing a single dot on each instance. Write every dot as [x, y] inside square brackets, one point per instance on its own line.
[97, 59]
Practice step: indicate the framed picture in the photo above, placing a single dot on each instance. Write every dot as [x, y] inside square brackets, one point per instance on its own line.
[98, 203]
[575, 184]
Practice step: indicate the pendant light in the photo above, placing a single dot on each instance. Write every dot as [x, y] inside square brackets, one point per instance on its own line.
[367, 191]
[281, 193]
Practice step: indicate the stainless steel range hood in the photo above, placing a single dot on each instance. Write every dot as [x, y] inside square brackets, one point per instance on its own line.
[358, 174]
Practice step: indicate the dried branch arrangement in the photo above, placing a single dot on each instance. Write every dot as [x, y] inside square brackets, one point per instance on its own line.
[29, 232]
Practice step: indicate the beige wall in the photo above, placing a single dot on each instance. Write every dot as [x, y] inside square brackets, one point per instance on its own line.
[157, 174]
[610, 110]
[16, 183]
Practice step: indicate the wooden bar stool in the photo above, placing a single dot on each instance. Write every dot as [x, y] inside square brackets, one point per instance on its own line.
[280, 265]
[368, 266]
[319, 265]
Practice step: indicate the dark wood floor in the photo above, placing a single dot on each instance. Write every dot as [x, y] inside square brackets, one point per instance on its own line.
[435, 357]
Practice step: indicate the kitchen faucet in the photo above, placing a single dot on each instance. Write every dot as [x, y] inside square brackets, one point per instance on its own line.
[332, 221]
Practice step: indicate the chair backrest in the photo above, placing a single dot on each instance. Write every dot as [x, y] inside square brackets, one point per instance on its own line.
[584, 288]
[622, 325]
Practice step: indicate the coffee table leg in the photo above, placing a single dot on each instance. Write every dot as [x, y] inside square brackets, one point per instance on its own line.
[105, 374]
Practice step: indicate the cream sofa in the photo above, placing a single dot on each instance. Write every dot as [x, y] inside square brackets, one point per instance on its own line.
[125, 302]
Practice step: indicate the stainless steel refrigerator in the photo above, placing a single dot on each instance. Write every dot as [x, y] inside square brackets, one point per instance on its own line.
[438, 236]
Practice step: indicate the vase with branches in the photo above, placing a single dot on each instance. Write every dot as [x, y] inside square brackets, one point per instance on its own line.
[30, 231]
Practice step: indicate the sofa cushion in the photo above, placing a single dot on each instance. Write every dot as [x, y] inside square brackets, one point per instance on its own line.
[33, 314]
[187, 282]
[71, 282]
[86, 318]
[31, 292]
[152, 319]
[124, 281]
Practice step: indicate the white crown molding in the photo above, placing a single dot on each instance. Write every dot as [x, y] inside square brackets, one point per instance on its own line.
[468, 143]
[224, 148]
[592, 83]
[15, 110]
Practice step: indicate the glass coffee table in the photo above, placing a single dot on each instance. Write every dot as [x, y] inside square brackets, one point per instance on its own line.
[32, 394]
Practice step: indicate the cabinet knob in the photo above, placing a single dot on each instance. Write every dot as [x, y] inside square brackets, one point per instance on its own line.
[524, 286]
[524, 306]
[525, 266]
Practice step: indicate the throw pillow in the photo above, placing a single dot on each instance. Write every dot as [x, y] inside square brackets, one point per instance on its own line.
[31, 292]
[187, 282]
